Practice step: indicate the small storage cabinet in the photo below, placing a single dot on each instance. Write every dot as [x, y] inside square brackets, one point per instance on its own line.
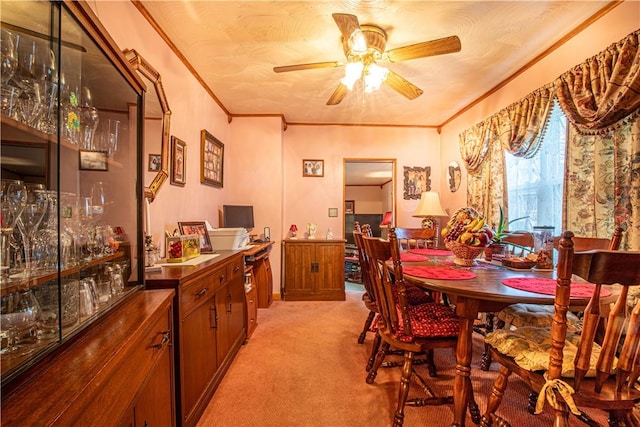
[313, 270]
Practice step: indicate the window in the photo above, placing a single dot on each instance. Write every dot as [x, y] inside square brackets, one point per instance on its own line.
[534, 185]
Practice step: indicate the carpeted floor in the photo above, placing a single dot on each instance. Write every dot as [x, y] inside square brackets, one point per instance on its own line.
[303, 367]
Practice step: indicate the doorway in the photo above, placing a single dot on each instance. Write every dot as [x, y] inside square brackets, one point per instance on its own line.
[369, 193]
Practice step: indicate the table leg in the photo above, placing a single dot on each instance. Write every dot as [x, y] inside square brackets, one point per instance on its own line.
[467, 311]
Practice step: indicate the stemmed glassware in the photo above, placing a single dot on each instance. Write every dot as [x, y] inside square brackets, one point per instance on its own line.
[13, 197]
[18, 321]
[88, 120]
[9, 65]
[32, 214]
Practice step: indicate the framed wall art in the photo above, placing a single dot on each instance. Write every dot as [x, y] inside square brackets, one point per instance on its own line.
[155, 162]
[199, 228]
[93, 160]
[178, 161]
[312, 168]
[211, 159]
[349, 207]
[416, 180]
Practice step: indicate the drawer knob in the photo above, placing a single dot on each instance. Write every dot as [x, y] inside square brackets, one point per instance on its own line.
[201, 292]
[165, 339]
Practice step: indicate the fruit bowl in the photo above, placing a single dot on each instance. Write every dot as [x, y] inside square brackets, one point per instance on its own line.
[465, 255]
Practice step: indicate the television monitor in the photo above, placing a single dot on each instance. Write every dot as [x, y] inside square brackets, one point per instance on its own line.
[237, 216]
[373, 220]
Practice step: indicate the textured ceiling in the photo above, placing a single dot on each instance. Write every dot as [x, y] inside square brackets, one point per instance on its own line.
[234, 45]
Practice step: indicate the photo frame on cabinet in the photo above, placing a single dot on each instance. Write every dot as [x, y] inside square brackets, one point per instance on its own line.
[178, 161]
[312, 168]
[199, 228]
[416, 180]
[211, 160]
[155, 162]
[93, 160]
[349, 206]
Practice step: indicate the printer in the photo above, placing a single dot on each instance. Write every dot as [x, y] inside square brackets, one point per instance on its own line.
[227, 239]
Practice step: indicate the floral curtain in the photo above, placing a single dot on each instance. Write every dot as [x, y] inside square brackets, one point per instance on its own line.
[517, 129]
[601, 99]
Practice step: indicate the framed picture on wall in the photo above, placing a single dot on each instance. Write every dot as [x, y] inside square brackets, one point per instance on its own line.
[416, 180]
[211, 159]
[155, 162]
[312, 168]
[349, 206]
[178, 160]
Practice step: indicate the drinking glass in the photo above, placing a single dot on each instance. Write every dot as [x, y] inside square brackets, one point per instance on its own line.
[13, 197]
[97, 201]
[88, 120]
[18, 319]
[9, 56]
[29, 220]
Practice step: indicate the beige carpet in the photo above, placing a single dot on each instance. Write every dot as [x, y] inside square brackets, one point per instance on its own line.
[303, 367]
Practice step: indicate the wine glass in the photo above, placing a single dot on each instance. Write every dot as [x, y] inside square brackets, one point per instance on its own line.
[29, 220]
[8, 67]
[13, 196]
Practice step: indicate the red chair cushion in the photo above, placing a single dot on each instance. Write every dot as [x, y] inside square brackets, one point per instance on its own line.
[415, 295]
[431, 320]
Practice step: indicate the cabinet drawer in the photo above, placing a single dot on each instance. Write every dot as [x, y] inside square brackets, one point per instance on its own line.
[201, 289]
[236, 268]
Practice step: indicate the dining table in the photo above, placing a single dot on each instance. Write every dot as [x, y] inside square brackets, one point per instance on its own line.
[472, 290]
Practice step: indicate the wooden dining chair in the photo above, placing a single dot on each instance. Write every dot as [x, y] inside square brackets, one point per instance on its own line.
[411, 328]
[518, 243]
[572, 371]
[415, 238]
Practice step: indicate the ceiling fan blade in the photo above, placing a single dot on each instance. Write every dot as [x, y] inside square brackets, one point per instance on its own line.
[298, 67]
[403, 86]
[338, 95]
[420, 50]
[346, 23]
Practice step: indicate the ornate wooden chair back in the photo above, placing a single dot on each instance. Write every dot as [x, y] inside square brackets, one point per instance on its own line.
[618, 363]
[414, 238]
[588, 243]
[363, 259]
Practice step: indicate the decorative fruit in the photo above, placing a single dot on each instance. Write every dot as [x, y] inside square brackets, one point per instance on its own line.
[468, 227]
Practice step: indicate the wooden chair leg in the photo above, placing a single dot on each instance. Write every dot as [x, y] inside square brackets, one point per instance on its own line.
[367, 327]
[375, 346]
[499, 386]
[403, 393]
[373, 372]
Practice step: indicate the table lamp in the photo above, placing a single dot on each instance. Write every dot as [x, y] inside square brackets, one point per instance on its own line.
[386, 220]
[429, 208]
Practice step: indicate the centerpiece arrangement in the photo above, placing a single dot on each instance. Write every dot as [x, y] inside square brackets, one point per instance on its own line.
[466, 235]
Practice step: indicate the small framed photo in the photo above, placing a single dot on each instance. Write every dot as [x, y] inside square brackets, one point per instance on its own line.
[178, 160]
[211, 160]
[312, 168]
[93, 160]
[349, 207]
[333, 212]
[199, 228]
[155, 162]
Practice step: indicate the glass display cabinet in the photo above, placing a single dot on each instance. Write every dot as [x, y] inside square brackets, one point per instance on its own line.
[70, 158]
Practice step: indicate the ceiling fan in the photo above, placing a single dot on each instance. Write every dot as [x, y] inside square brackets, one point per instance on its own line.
[364, 46]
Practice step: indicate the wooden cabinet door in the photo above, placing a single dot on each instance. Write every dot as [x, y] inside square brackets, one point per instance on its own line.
[154, 407]
[298, 274]
[268, 275]
[330, 275]
[230, 306]
[198, 362]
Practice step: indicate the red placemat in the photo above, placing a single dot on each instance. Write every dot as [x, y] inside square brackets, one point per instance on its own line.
[431, 252]
[409, 257]
[547, 286]
[445, 273]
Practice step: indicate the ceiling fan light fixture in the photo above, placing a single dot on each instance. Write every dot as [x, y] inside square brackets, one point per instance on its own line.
[352, 73]
[374, 76]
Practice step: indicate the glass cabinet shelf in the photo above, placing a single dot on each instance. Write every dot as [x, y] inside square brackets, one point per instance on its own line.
[70, 137]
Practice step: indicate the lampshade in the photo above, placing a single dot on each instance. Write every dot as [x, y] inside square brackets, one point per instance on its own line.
[429, 205]
[386, 220]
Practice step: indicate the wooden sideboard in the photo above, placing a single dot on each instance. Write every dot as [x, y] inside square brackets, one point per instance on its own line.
[258, 258]
[209, 315]
[102, 377]
[313, 269]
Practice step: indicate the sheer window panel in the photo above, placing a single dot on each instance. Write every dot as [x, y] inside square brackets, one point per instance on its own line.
[535, 185]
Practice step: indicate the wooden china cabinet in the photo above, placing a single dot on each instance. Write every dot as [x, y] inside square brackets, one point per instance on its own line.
[81, 341]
